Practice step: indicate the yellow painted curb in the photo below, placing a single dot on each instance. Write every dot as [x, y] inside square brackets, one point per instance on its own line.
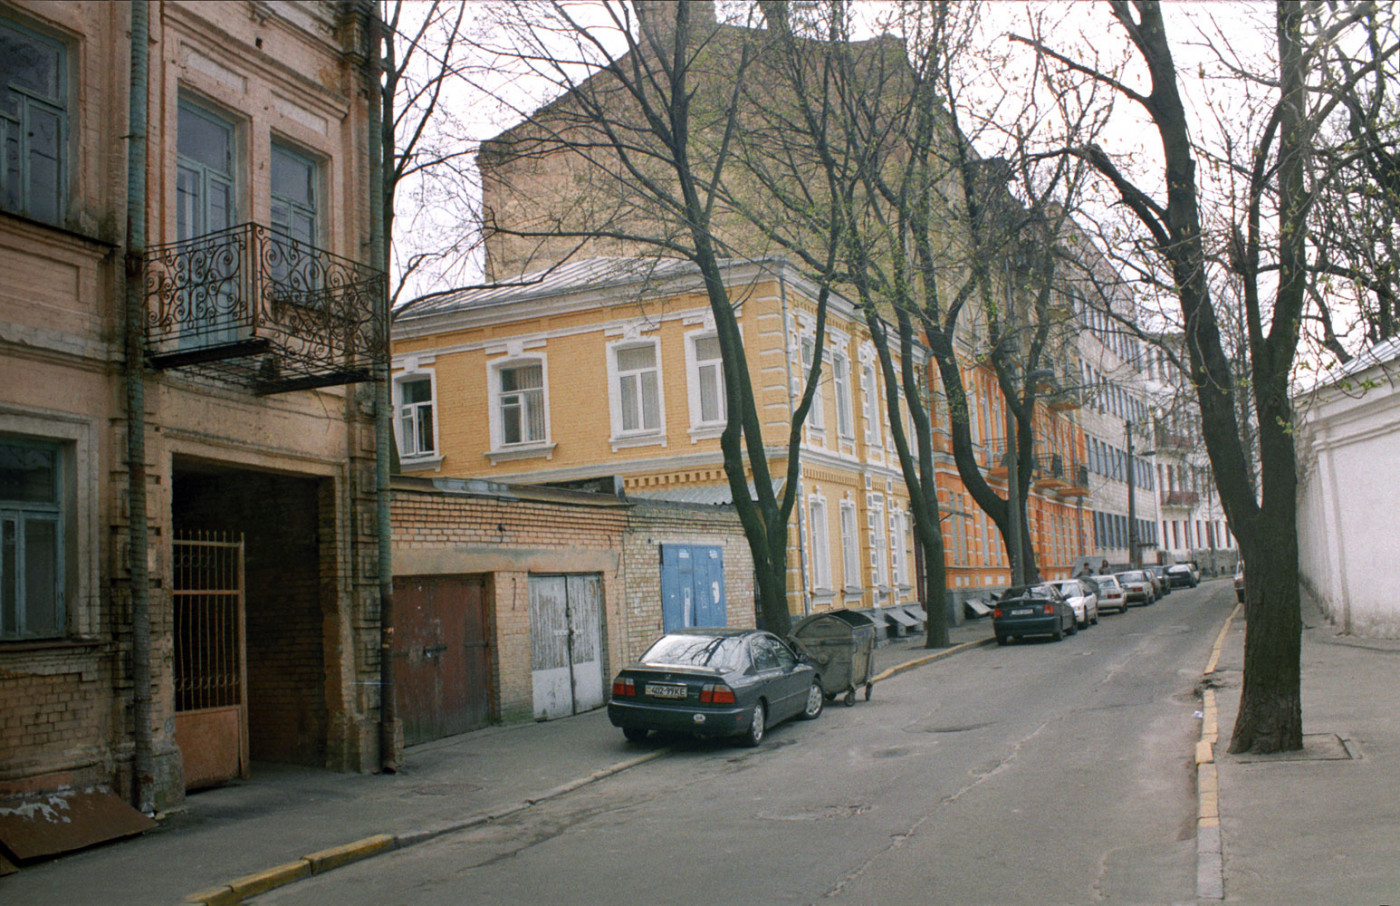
[1210, 808]
[1205, 752]
[337, 856]
[1220, 640]
[263, 881]
[214, 896]
[1208, 822]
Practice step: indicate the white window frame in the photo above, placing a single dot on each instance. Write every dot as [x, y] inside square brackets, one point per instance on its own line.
[870, 400]
[899, 547]
[850, 546]
[879, 554]
[816, 419]
[841, 385]
[500, 450]
[819, 543]
[422, 456]
[696, 377]
[642, 434]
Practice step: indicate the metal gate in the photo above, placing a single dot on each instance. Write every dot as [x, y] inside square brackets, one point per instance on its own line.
[692, 586]
[442, 657]
[566, 652]
[211, 689]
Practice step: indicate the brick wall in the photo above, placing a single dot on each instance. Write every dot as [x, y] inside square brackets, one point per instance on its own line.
[651, 524]
[53, 727]
[439, 532]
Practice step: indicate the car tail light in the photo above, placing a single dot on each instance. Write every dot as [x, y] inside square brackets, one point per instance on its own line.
[1049, 608]
[716, 694]
[624, 688]
[996, 613]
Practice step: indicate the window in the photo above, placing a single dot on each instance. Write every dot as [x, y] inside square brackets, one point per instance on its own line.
[520, 404]
[417, 428]
[636, 390]
[31, 569]
[870, 398]
[815, 420]
[294, 193]
[841, 381]
[879, 559]
[204, 194]
[707, 402]
[850, 554]
[820, 546]
[899, 531]
[33, 124]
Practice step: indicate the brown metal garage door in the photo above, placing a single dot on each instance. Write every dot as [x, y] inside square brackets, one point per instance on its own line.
[442, 655]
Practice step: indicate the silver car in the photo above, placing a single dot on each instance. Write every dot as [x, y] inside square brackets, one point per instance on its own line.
[1082, 598]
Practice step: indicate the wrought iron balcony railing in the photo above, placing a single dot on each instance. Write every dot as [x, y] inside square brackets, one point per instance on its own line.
[1180, 498]
[253, 306]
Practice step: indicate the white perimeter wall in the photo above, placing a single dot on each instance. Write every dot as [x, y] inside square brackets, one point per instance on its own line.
[1349, 505]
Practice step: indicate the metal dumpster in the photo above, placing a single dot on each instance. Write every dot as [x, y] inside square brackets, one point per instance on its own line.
[841, 643]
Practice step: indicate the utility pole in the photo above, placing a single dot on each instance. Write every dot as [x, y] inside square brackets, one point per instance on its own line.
[1013, 506]
[1134, 556]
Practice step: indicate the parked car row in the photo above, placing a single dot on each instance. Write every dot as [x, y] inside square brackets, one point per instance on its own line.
[1065, 606]
[740, 682]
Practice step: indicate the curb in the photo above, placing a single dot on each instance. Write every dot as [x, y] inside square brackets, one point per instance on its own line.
[1210, 849]
[240, 889]
[928, 659]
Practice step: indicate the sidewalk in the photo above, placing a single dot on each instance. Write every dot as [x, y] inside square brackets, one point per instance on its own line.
[1323, 825]
[262, 829]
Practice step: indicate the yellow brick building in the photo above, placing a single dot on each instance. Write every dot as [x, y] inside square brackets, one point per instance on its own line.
[609, 367]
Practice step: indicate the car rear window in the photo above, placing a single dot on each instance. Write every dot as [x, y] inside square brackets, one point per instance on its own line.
[720, 652]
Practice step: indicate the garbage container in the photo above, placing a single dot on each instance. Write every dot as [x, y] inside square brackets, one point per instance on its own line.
[842, 645]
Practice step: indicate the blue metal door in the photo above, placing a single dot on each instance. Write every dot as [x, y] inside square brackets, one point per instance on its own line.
[692, 586]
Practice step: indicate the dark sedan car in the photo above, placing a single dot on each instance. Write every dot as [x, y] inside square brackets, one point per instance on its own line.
[1026, 610]
[1183, 576]
[715, 682]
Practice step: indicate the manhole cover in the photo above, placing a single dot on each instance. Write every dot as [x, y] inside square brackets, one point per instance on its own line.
[1316, 747]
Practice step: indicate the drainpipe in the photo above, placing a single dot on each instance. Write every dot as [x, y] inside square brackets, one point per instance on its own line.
[383, 424]
[801, 526]
[138, 532]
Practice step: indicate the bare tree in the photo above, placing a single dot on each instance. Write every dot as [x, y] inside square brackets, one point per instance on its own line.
[862, 140]
[639, 132]
[1264, 241]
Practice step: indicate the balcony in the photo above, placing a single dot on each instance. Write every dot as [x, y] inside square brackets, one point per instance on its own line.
[1078, 482]
[1050, 473]
[1180, 498]
[251, 306]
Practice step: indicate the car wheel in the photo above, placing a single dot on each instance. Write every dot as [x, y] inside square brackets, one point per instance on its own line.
[756, 726]
[1059, 632]
[1095, 620]
[1073, 625]
[816, 700]
[634, 734]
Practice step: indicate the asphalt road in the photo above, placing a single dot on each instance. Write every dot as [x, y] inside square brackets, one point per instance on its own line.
[1042, 773]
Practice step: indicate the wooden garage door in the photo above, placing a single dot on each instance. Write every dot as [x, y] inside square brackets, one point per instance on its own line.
[442, 655]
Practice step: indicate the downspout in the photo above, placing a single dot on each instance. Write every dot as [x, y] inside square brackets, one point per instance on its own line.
[388, 703]
[801, 527]
[138, 531]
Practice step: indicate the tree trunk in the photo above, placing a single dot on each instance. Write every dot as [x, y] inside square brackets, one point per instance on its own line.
[1270, 715]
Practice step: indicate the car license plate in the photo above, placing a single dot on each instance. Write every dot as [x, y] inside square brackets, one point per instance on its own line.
[1022, 611]
[657, 690]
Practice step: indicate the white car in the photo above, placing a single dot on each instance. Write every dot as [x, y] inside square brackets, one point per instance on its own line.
[1082, 598]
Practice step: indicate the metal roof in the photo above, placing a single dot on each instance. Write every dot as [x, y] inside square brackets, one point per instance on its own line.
[570, 277]
[710, 495]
